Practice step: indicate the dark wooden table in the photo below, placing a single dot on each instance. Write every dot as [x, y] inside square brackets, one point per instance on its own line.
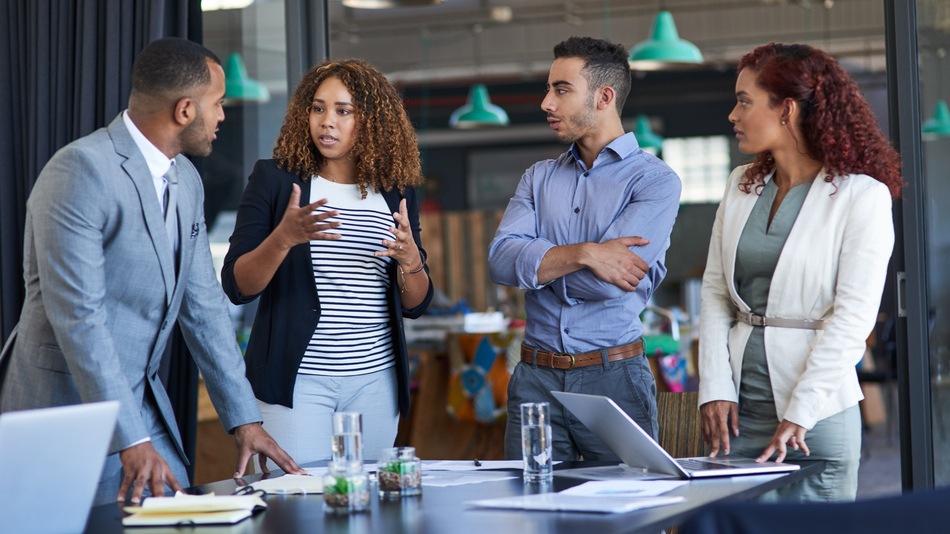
[444, 510]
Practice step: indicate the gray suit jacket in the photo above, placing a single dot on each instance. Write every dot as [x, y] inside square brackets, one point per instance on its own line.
[102, 293]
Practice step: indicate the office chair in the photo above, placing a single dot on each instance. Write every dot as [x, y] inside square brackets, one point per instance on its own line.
[680, 424]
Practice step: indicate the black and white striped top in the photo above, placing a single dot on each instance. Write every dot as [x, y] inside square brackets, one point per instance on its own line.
[353, 336]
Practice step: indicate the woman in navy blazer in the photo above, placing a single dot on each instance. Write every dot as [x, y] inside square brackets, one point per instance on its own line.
[346, 149]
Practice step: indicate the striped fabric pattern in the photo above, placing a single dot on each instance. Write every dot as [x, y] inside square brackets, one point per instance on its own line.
[353, 336]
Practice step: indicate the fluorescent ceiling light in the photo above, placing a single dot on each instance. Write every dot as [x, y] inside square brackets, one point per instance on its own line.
[215, 5]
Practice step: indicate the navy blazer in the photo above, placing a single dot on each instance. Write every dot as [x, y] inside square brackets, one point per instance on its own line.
[290, 307]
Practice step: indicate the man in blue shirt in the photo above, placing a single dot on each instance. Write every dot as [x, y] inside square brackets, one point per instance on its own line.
[585, 235]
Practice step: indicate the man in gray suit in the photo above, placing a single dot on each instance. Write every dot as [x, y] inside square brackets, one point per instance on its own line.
[116, 251]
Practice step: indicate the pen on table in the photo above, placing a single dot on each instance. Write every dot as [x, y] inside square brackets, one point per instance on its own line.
[477, 463]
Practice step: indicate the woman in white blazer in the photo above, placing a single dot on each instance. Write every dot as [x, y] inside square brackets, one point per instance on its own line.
[796, 268]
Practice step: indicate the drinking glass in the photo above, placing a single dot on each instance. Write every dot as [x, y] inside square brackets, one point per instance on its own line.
[347, 444]
[536, 441]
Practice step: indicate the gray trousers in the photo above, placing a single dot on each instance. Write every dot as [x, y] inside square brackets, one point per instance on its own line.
[836, 440]
[628, 382]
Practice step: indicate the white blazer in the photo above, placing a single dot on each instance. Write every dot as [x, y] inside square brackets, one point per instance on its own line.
[832, 267]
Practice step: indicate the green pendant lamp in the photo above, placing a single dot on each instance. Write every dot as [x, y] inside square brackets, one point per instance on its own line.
[238, 87]
[479, 112]
[664, 49]
[646, 138]
[939, 125]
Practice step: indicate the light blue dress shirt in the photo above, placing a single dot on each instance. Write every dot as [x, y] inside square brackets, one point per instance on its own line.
[627, 192]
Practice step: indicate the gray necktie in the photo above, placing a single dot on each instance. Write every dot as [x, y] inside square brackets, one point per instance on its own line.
[171, 208]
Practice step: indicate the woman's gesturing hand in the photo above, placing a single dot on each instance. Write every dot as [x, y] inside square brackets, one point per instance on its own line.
[403, 249]
[302, 225]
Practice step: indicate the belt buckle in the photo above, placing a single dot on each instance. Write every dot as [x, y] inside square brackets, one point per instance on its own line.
[571, 356]
[756, 320]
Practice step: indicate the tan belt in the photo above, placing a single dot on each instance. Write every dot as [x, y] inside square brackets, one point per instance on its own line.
[566, 362]
[753, 319]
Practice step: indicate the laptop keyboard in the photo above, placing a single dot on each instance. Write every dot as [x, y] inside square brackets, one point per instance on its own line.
[695, 464]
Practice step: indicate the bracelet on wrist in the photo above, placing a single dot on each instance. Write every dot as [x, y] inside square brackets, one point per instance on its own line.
[402, 276]
[416, 271]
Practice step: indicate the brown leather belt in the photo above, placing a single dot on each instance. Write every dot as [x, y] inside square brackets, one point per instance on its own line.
[566, 362]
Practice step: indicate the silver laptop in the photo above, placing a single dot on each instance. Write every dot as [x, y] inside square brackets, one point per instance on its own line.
[638, 450]
[51, 460]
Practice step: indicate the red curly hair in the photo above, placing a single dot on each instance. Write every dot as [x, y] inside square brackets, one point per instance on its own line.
[837, 125]
[386, 151]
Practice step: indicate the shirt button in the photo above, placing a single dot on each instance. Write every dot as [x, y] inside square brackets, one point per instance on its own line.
[577, 210]
[567, 330]
[586, 174]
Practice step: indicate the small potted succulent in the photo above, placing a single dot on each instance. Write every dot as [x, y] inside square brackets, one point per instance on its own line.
[345, 491]
[399, 473]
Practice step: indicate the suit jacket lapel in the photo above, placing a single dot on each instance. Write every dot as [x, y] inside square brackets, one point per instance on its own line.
[137, 170]
[300, 253]
[185, 211]
[392, 199]
[732, 231]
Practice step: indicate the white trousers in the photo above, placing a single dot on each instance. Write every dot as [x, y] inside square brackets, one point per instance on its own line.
[304, 431]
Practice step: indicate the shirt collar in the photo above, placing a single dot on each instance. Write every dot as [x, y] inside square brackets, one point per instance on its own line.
[157, 163]
[622, 146]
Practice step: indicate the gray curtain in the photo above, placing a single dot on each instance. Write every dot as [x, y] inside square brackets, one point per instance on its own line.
[67, 71]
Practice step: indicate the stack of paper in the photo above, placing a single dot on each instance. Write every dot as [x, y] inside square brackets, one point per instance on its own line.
[618, 496]
[568, 503]
[183, 509]
[290, 484]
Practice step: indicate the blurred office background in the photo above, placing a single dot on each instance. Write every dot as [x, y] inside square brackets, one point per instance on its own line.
[436, 52]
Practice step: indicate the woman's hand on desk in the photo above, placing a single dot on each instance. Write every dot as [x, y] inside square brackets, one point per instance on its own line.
[252, 439]
[787, 433]
[718, 418]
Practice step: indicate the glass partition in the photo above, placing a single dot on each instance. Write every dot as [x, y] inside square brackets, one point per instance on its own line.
[933, 40]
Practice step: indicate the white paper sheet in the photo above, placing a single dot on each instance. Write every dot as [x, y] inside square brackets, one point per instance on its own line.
[290, 484]
[573, 503]
[469, 465]
[458, 478]
[625, 488]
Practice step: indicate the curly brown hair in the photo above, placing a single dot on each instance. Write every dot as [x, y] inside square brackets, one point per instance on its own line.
[386, 151]
[837, 124]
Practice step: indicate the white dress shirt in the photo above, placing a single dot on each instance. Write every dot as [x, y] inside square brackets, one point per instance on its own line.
[157, 163]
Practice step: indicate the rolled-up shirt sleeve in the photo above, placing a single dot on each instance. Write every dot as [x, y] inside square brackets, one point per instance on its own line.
[515, 253]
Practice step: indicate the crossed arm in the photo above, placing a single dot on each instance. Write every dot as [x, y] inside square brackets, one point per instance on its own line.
[600, 269]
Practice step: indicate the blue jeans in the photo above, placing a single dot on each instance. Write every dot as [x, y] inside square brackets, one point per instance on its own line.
[628, 382]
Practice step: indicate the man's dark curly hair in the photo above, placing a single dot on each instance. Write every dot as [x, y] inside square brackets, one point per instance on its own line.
[605, 64]
[386, 151]
[837, 124]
